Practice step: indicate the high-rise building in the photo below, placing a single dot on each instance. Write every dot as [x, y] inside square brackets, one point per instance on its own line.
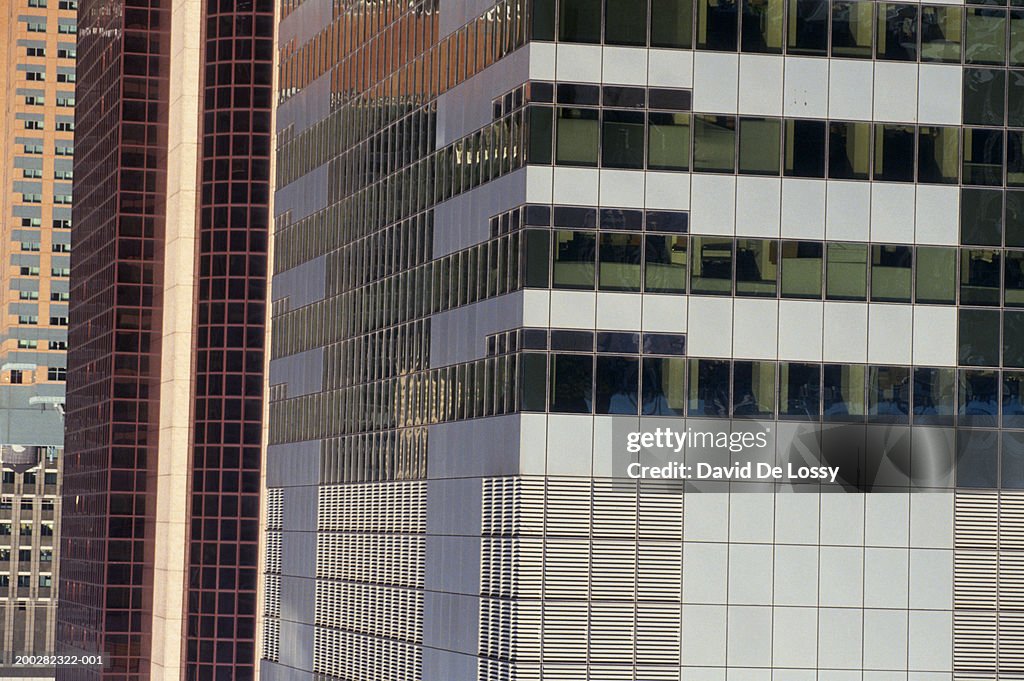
[159, 552]
[37, 99]
[509, 233]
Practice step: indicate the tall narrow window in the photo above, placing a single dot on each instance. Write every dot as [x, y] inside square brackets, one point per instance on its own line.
[717, 25]
[672, 23]
[625, 22]
[897, 32]
[761, 22]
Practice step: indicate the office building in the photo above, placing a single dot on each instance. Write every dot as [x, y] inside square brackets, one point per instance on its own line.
[37, 97]
[164, 402]
[507, 233]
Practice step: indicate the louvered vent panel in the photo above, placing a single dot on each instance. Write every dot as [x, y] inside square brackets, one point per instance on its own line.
[611, 632]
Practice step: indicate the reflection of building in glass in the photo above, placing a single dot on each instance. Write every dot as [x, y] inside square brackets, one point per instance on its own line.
[587, 214]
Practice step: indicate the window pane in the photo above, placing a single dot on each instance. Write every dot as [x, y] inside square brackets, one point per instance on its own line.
[664, 381]
[934, 396]
[759, 146]
[756, 267]
[984, 96]
[671, 23]
[1013, 399]
[1015, 158]
[981, 217]
[976, 456]
[849, 148]
[1013, 461]
[540, 132]
[979, 337]
[936, 275]
[889, 394]
[851, 28]
[533, 376]
[890, 273]
[536, 258]
[574, 260]
[986, 36]
[799, 391]
[939, 154]
[941, 31]
[572, 379]
[620, 256]
[618, 385]
[542, 20]
[847, 272]
[1013, 339]
[712, 265]
[979, 276]
[843, 392]
[983, 156]
[576, 142]
[709, 388]
[801, 269]
[669, 141]
[805, 149]
[1015, 99]
[808, 27]
[579, 21]
[717, 24]
[897, 32]
[714, 143]
[1017, 38]
[762, 26]
[622, 139]
[625, 22]
[754, 389]
[977, 398]
[894, 153]
[665, 264]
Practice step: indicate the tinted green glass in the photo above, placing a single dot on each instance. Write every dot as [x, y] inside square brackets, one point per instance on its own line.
[575, 255]
[807, 26]
[938, 153]
[625, 22]
[979, 337]
[1014, 223]
[761, 29]
[936, 275]
[542, 20]
[894, 153]
[717, 25]
[981, 217]
[897, 32]
[849, 150]
[622, 139]
[665, 264]
[536, 258]
[801, 269]
[1013, 279]
[577, 136]
[846, 272]
[852, 25]
[891, 273]
[668, 141]
[980, 271]
[714, 143]
[533, 382]
[1015, 158]
[540, 133]
[759, 146]
[579, 21]
[757, 267]
[983, 157]
[753, 389]
[941, 33]
[984, 96]
[712, 265]
[671, 23]
[985, 41]
[620, 256]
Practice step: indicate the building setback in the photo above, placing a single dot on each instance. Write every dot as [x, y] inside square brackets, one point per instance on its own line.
[164, 407]
[507, 234]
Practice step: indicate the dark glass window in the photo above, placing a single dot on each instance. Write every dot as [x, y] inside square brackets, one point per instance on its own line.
[667, 221]
[753, 389]
[978, 397]
[669, 141]
[941, 33]
[542, 20]
[934, 396]
[846, 272]
[757, 265]
[617, 218]
[897, 32]
[539, 121]
[1015, 99]
[1013, 339]
[843, 392]
[579, 21]
[572, 341]
[533, 373]
[1013, 399]
[1013, 461]
[665, 264]
[979, 276]
[936, 275]
[983, 156]
[573, 216]
[981, 217]
[852, 26]
[849, 150]
[938, 153]
[625, 22]
[979, 337]
[759, 146]
[985, 41]
[799, 391]
[618, 342]
[664, 344]
[572, 378]
[618, 383]
[717, 24]
[576, 142]
[712, 265]
[671, 99]
[575, 256]
[889, 394]
[671, 23]
[801, 269]
[1013, 279]
[890, 273]
[976, 457]
[714, 143]
[1014, 225]
[1015, 158]
[620, 257]
[622, 139]
[624, 97]
[762, 26]
[709, 388]
[984, 96]
[664, 386]
[805, 148]
[808, 27]
[536, 258]
[894, 152]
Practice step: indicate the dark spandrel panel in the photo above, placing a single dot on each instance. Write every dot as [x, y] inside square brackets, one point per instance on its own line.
[664, 344]
[538, 216]
[667, 221]
[534, 339]
[567, 216]
[574, 93]
[618, 341]
[624, 97]
[677, 100]
[616, 218]
[574, 341]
